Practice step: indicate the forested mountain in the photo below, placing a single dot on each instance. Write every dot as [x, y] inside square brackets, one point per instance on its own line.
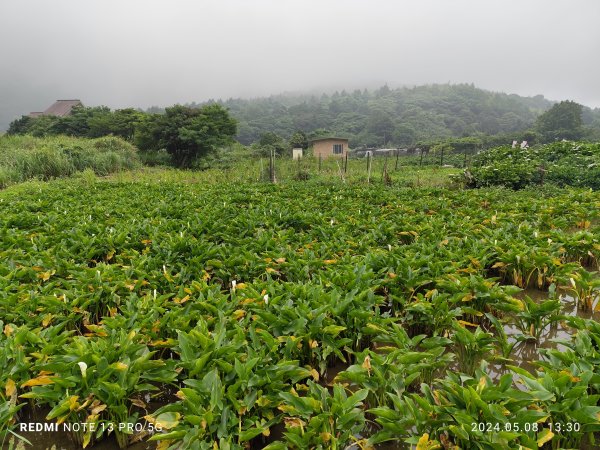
[369, 118]
[387, 116]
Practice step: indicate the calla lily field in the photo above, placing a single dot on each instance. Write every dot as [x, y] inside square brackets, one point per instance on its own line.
[316, 314]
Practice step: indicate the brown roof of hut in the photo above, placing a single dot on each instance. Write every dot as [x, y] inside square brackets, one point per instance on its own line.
[62, 108]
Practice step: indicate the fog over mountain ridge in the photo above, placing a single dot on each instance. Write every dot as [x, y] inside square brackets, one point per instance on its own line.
[142, 53]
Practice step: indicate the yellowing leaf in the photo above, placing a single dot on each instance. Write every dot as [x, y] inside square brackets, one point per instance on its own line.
[468, 297]
[519, 304]
[164, 421]
[72, 404]
[238, 314]
[293, 422]
[286, 409]
[481, 384]
[45, 276]
[10, 388]
[314, 374]
[180, 301]
[97, 330]
[367, 364]
[325, 436]
[330, 261]
[98, 409]
[120, 366]
[162, 343]
[544, 436]
[8, 330]
[333, 329]
[372, 326]
[423, 443]
[570, 375]
[467, 324]
[46, 320]
[39, 381]
[430, 293]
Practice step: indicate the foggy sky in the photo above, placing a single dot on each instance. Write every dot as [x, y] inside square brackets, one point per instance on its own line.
[141, 53]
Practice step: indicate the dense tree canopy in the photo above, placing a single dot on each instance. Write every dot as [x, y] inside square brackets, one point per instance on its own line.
[187, 133]
[82, 122]
[562, 121]
[396, 117]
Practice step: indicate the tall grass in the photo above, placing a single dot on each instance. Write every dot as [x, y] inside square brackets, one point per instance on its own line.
[26, 157]
[307, 170]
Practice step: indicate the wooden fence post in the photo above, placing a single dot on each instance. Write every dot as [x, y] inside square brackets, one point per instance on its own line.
[260, 171]
[385, 164]
[272, 166]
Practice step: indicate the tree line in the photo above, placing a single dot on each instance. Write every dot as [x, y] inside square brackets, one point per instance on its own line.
[439, 117]
[402, 117]
[186, 134]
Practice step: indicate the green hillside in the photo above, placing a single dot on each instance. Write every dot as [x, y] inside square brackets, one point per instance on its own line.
[397, 117]
[385, 116]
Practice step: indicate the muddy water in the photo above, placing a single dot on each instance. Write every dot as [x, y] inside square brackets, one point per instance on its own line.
[526, 353]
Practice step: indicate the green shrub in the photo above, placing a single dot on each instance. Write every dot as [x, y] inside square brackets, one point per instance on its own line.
[27, 157]
[561, 163]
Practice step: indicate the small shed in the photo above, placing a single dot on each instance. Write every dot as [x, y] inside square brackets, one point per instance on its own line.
[296, 153]
[330, 147]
